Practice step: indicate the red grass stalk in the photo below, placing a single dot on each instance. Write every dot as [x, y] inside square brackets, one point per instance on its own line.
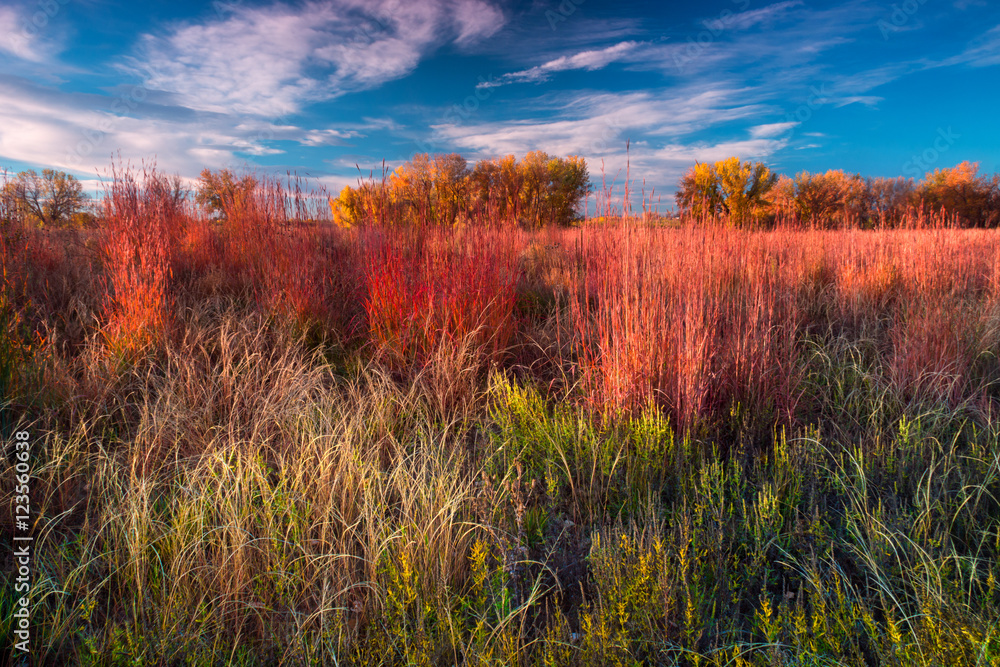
[695, 320]
[289, 262]
[433, 287]
[138, 248]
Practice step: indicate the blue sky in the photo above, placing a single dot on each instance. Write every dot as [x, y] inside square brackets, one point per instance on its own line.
[326, 87]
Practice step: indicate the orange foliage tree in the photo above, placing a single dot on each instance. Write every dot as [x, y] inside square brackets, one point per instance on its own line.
[973, 199]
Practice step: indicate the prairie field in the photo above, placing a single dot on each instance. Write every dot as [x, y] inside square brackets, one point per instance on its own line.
[274, 440]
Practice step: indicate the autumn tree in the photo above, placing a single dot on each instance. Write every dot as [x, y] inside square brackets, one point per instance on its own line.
[169, 189]
[698, 194]
[495, 187]
[48, 199]
[450, 179]
[745, 192]
[346, 209]
[10, 212]
[170, 195]
[964, 193]
[890, 200]
[744, 187]
[443, 190]
[222, 192]
[733, 188]
[369, 202]
[567, 185]
[430, 190]
[817, 198]
[856, 201]
[411, 189]
[534, 179]
[783, 200]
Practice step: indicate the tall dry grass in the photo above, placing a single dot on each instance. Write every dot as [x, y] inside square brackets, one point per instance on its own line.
[613, 445]
[437, 288]
[699, 321]
[142, 227]
[711, 323]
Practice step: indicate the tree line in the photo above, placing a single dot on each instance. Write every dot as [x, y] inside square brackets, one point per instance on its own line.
[743, 193]
[534, 191]
[540, 189]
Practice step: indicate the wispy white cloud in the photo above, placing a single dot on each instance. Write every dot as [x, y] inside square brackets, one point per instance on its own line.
[780, 48]
[72, 132]
[229, 87]
[982, 52]
[327, 137]
[208, 89]
[269, 61]
[755, 17]
[599, 124]
[783, 37]
[585, 60]
[771, 130]
[681, 156]
[867, 100]
[17, 40]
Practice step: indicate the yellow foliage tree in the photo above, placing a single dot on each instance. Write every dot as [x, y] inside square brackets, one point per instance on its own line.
[443, 190]
[733, 188]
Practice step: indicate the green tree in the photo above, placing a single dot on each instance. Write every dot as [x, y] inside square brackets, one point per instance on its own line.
[48, 199]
